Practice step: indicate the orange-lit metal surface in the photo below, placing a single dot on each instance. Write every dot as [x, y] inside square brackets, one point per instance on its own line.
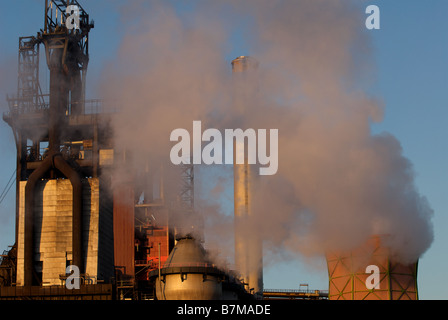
[124, 231]
[347, 274]
[153, 238]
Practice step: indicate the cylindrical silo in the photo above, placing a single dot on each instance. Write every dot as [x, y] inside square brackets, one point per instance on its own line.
[353, 275]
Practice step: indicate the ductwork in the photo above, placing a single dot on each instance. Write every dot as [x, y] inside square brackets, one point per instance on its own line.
[59, 92]
[53, 161]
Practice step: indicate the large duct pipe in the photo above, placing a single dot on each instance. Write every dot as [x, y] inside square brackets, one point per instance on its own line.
[59, 93]
[75, 79]
[55, 161]
[58, 100]
[29, 219]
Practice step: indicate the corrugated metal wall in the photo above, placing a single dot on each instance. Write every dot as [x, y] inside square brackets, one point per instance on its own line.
[124, 230]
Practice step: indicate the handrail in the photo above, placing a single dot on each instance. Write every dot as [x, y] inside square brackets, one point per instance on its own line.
[189, 264]
[25, 105]
[294, 291]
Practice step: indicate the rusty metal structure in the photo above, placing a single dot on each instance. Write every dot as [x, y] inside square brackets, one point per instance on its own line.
[62, 146]
[347, 274]
[70, 209]
[38, 119]
[8, 261]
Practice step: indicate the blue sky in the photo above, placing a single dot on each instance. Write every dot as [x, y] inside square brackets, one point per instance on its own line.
[410, 52]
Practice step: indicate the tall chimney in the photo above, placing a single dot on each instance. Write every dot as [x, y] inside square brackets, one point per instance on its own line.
[248, 246]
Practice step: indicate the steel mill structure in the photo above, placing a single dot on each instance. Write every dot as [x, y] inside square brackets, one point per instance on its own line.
[120, 230]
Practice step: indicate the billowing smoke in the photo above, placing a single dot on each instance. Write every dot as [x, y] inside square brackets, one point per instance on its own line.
[337, 183]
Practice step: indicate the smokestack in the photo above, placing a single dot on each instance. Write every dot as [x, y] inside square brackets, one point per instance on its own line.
[248, 246]
[353, 275]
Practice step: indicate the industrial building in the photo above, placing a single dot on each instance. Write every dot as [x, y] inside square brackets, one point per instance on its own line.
[70, 207]
[72, 210]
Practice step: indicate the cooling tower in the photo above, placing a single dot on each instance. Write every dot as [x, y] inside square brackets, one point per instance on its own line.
[350, 278]
[248, 247]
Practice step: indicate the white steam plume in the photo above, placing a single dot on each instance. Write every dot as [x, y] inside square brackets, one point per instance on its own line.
[337, 184]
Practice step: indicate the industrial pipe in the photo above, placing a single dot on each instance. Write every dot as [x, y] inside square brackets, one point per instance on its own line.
[53, 160]
[29, 218]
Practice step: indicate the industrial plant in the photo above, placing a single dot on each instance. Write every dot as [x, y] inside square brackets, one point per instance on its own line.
[122, 232]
